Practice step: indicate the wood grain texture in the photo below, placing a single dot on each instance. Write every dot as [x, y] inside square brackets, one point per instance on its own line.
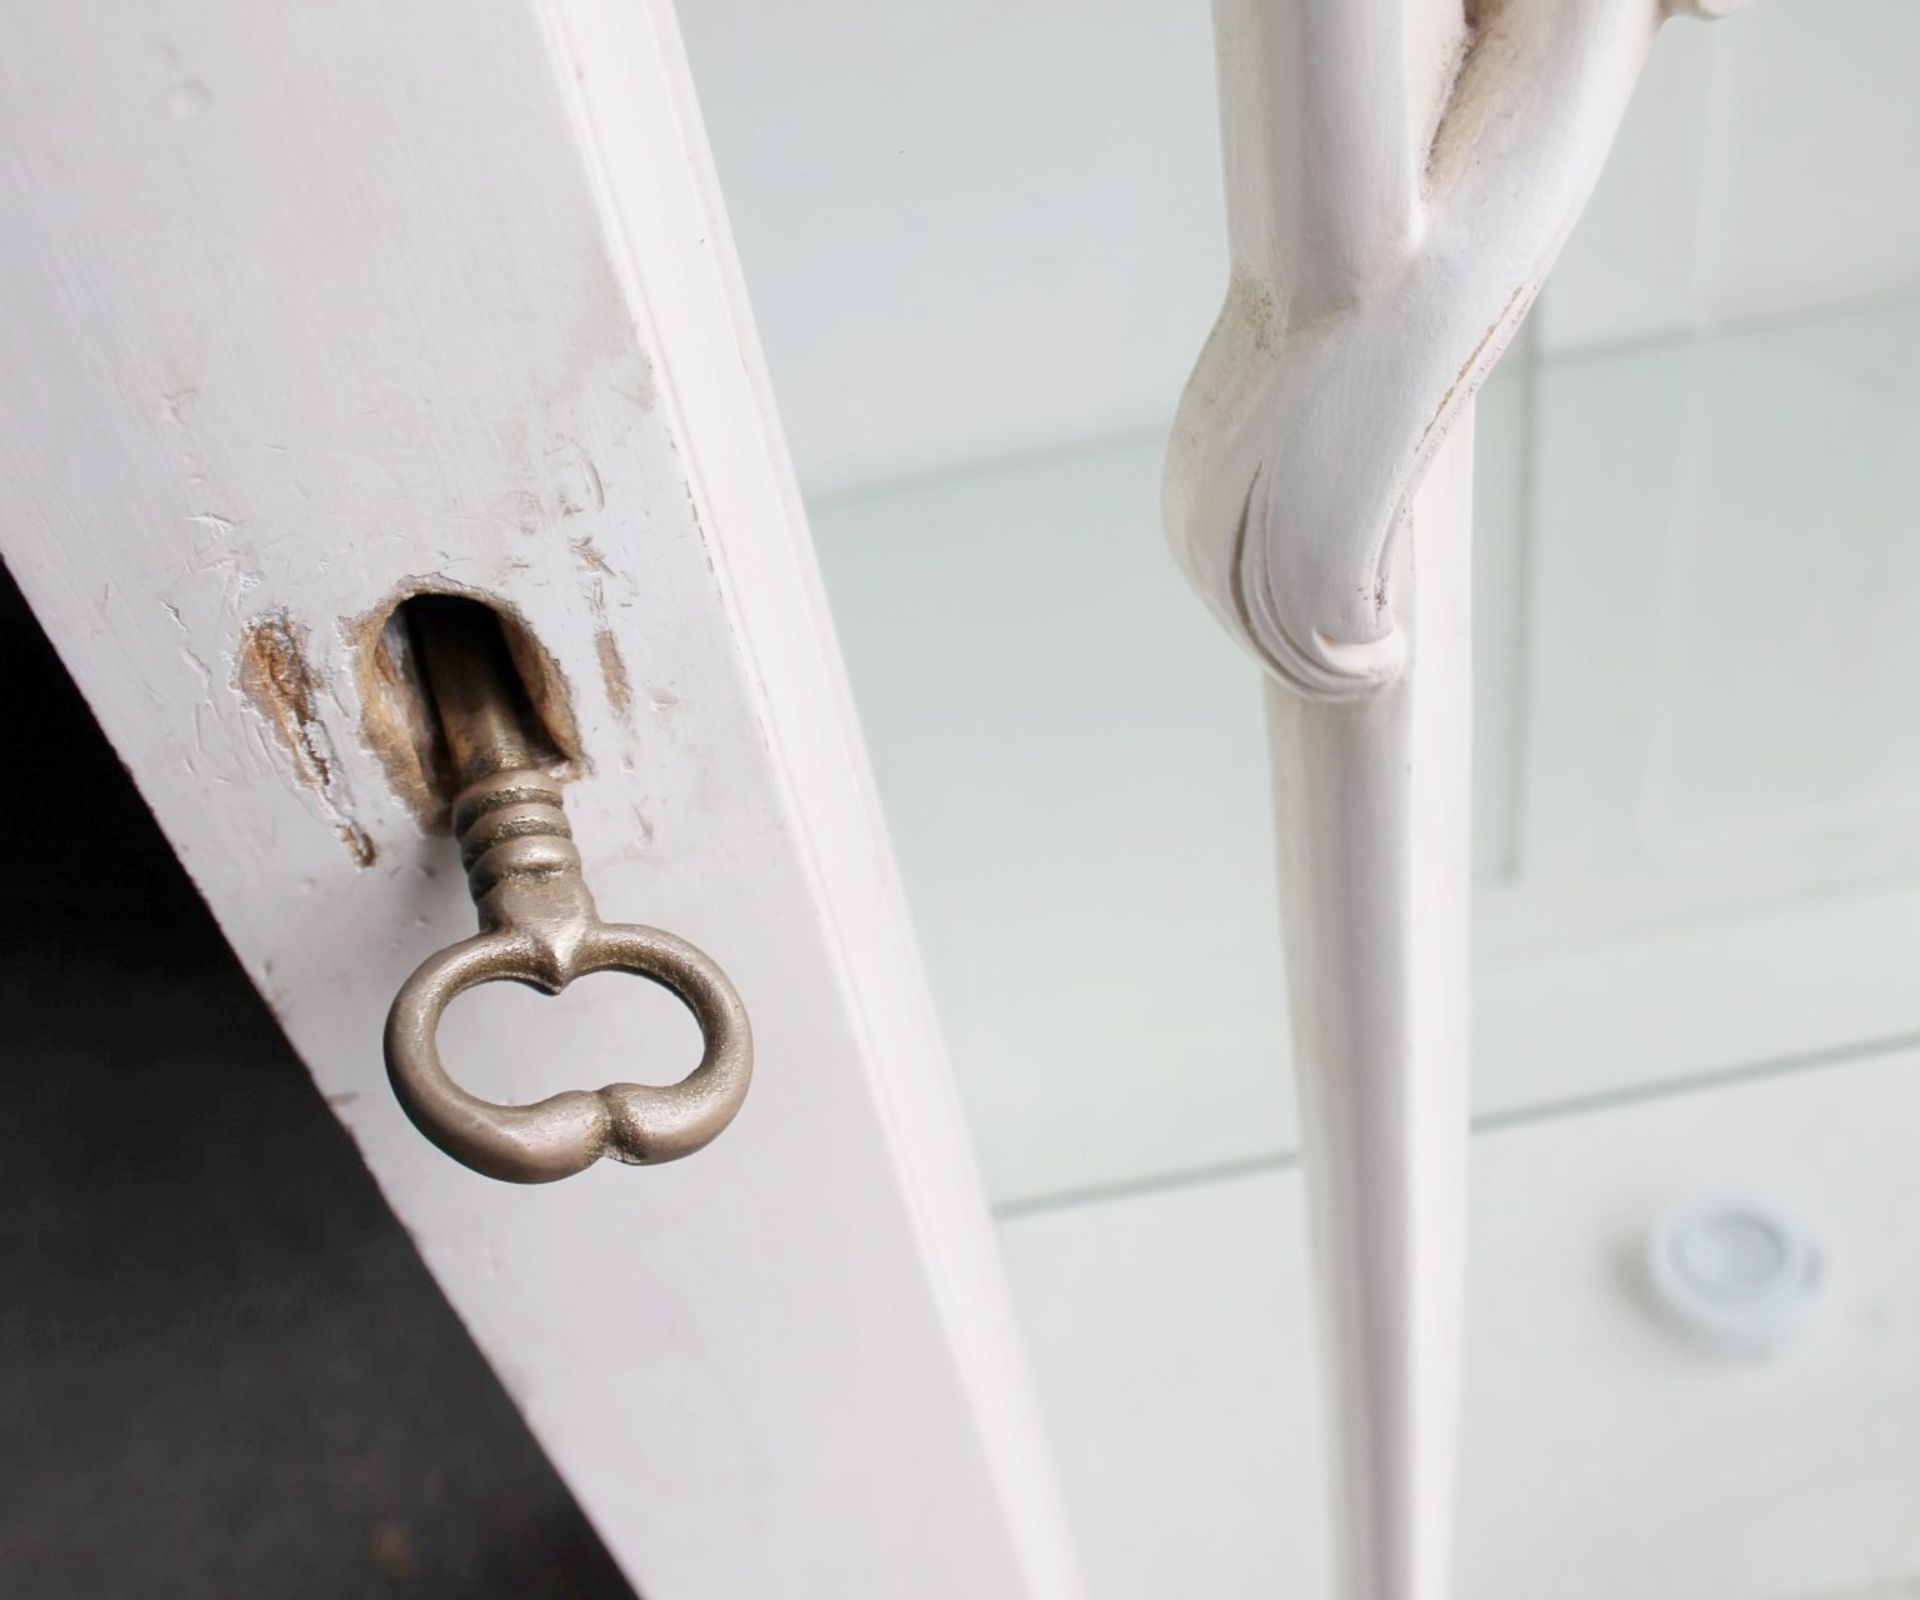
[310, 309]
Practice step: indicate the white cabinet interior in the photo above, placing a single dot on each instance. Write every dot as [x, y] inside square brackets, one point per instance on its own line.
[1699, 846]
[1697, 929]
[1697, 918]
[1601, 1456]
[1697, 782]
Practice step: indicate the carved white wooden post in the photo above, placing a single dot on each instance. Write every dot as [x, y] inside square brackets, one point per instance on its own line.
[1400, 176]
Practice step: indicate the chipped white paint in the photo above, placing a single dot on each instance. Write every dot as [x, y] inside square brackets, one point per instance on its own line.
[306, 307]
[1399, 180]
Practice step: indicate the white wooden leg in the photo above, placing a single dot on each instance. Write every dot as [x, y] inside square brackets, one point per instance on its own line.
[1371, 803]
[1400, 176]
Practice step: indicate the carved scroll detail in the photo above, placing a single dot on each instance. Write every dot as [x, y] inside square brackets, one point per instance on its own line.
[1374, 285]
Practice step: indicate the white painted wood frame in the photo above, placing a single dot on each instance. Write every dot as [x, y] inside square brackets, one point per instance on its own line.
[1400, 175]
[310, 307]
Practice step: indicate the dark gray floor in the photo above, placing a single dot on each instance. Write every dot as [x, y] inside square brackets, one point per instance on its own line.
[223, 1372]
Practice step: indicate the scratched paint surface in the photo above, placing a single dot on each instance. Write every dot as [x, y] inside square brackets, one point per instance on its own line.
[309, 310]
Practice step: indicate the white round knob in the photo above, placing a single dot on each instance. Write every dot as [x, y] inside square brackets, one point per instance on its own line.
[1741, 1274]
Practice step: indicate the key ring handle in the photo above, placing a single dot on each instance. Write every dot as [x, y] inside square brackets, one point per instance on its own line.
[640, 1124]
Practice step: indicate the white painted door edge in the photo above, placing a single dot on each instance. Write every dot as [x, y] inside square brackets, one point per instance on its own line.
[309, 310]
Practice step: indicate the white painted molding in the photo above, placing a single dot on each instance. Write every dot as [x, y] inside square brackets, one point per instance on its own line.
[1399, 181]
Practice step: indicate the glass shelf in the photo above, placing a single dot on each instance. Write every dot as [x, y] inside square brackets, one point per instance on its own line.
[1698, 848]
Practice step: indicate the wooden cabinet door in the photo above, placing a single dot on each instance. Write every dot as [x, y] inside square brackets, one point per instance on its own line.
[311, 309]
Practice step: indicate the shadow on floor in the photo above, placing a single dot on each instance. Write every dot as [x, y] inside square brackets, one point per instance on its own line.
[223, 1371]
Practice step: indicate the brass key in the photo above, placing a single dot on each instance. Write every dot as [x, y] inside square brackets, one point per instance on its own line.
[539, 926]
